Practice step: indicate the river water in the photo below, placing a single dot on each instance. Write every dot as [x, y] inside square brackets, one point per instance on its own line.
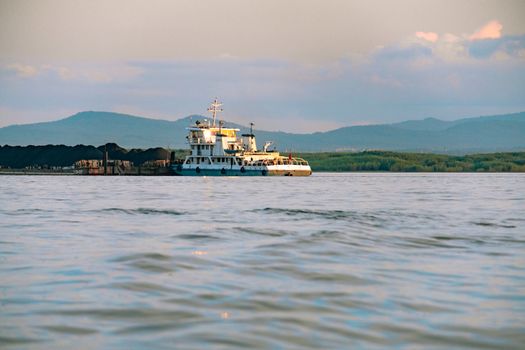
[359, 260]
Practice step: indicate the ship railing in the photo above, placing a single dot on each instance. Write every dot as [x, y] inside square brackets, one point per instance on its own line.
[282, 161]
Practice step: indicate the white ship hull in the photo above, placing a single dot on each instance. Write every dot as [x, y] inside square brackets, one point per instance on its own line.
[270, 170]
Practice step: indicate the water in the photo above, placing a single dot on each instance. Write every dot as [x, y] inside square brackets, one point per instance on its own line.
[328, 261]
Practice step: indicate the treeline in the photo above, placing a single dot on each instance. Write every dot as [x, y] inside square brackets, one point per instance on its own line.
[415, 162]
[60, 155]
[19, 157]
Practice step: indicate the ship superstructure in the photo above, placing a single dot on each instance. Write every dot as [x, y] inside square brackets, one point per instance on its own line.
[218, 151]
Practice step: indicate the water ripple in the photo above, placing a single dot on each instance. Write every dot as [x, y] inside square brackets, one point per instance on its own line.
[330, 261]
[143, 211]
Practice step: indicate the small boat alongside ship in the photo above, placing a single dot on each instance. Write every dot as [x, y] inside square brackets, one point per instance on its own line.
[217, 151]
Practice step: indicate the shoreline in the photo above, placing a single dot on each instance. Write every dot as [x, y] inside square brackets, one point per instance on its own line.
[36, 172]
[21, 172]
[62, 160]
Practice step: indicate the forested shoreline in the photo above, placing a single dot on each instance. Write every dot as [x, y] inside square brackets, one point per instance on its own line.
[61, 156]
[415, 162]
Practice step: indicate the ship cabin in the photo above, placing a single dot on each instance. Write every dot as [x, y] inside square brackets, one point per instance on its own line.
[212, 145]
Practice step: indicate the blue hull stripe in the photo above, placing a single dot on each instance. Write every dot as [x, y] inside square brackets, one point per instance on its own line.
[212, 172]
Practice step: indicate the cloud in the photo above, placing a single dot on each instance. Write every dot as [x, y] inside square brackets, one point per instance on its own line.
[99, 74]
[65, 73]
[23, 70]
[487, 43]
[379, 90]
[87, 73]
[402, 52]
[443, 75]
[505, 47]
[428, 36]
[385, 81]
[491, 30]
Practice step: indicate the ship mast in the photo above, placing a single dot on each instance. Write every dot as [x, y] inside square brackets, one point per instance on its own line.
[214, 108]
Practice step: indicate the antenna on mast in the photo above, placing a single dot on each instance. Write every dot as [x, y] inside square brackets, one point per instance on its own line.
[214, 108]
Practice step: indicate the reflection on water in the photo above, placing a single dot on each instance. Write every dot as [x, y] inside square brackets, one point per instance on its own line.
[328, 261]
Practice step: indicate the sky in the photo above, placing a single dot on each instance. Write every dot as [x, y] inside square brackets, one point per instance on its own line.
[291, 65]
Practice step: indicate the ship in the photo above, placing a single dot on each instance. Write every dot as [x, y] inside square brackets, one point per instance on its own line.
[218, 151]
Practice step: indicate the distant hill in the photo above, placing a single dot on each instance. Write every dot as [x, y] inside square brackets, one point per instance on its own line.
[469, 135]
[95, 128]
[428, 124]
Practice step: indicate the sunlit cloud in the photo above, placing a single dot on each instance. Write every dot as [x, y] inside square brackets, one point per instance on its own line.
[23, 70]
[428, 36]
[487, 43]
[65, 73]
[491, 30]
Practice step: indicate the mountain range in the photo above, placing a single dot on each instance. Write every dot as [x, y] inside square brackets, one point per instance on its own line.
[468, 135]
